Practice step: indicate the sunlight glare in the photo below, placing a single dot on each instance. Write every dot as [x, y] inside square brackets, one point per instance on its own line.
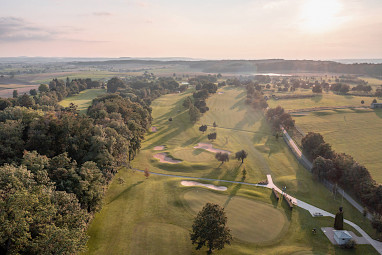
[319, 15]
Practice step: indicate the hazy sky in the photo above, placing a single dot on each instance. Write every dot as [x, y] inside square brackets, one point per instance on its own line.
[219, 29]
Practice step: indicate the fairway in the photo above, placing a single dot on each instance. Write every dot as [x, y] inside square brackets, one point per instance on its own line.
[250, 221]
[322, 100]
[155, 215]
[83, 100]
[354, 132]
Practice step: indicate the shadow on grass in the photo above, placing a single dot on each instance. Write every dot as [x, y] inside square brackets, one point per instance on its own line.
[273, 199]
[123, 193]
[232, 194]
[193, 140]
[316, 99]
[287, 209]
[378, 112]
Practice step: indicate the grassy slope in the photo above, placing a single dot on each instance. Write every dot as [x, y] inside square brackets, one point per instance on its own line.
[357, 133]
[83, 99]
[142, 207]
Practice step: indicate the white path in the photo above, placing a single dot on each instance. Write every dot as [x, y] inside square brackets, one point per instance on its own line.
[311, 208]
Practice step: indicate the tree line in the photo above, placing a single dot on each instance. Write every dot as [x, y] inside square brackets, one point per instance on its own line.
[55, 164]
[342, 169]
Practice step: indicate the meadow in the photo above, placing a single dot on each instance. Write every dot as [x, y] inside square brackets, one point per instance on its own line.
[83, 100]
[355, 132]
[154, 215]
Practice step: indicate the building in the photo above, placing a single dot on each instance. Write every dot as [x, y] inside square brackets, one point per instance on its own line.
[342, 236]
[376, 105]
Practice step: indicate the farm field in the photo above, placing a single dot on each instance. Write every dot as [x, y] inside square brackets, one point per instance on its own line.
[324, 100]
[354, 132]
[154, 215]
[83, 99]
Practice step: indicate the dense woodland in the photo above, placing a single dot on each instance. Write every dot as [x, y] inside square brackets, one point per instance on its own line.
[55, 163]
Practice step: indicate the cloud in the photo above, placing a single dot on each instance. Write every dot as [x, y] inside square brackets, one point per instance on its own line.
[14, 29]
[102, 14]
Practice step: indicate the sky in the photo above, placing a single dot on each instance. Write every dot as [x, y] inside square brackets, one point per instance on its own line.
[207, 29]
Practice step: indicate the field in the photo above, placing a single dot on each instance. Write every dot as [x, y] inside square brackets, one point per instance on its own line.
[326, 99]
[154, 215]
[83, 99]
[355, 132]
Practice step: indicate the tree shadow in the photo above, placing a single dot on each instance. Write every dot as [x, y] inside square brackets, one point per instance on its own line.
[232, 194]
[288, 211]
[378, 112]
[274, 201]
[123, 193]
[317, 98]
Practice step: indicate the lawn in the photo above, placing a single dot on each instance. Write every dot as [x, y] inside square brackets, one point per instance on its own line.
[355, 132]
[324, 100]
[83, 100]
[154, 215]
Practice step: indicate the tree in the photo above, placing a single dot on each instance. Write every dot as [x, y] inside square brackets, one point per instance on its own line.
[374, 101]
[43, 88]
[214, 124]
[187, 102]
[223, 157]
[33, 92]
[241, 155]
[203, 128]
[194, 113]
[209, 228]
[15, 93]
[362, 102]
[114, 83]
[211, 136]
[317, 89]
[310, 143]
[146, 173]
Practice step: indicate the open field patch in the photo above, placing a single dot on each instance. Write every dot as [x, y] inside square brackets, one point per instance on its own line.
[250, 221]
[355, 133]
[83, 99]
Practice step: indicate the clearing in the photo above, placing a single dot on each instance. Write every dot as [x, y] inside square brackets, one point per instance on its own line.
[83, 100]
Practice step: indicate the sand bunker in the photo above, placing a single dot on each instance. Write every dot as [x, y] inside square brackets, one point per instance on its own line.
[210, 186]
[153, 129]
[164, 159]
[159, 148]
[220, 93]
[208, 147]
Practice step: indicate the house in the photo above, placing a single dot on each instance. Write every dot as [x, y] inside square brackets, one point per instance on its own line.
[376, 105]
[342, 236]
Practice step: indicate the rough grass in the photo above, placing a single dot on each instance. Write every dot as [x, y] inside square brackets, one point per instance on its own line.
[357, 133]
[160, 200]
[84, 99]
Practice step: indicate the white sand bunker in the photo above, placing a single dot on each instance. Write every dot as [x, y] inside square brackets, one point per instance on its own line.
[210, 186]
[165, 159]
[208, 147]
[153, 129]
[159, 148]
[220, 93]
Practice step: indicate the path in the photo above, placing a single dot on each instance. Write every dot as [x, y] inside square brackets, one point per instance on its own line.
[325, 108]
[312, 209]
[308, 165]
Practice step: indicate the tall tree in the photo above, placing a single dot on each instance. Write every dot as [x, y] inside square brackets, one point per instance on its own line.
[223, 157]
[241, 155]
[203, 128]
[209, 228]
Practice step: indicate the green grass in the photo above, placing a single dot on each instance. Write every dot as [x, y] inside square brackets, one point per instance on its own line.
[141, 207]
[324, 100]
[249, 220]
[355, 132]
[83, 99]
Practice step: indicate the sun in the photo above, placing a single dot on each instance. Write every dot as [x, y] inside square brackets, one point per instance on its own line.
[319, 15]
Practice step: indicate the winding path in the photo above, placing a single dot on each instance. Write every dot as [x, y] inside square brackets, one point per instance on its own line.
[312, 209]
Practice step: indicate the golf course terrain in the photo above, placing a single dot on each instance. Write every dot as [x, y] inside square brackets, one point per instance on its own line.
[84, 99]
[154, 215]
